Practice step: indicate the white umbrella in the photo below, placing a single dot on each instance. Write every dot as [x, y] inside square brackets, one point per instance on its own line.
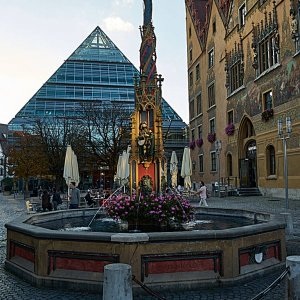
[71, 172]
[118, 175]
[124, 170]
[186, 168]
[174, 169]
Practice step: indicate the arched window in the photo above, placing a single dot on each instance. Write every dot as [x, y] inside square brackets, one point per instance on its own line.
[271, 163]
[229, 165]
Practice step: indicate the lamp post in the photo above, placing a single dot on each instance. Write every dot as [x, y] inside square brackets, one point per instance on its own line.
[284, 137]
[218, 147]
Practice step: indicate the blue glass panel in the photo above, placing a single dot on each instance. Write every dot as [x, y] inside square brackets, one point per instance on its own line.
[96, 71]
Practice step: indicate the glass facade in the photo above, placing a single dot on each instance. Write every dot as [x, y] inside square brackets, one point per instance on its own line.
[96, 71]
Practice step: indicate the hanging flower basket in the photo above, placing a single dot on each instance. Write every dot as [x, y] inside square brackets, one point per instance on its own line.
[211, 137]
[267, 114]
[192, 145]
[199, 142]
[229, 130]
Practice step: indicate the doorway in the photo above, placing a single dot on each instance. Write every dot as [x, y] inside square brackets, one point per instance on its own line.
[247, 154]
[248, 171]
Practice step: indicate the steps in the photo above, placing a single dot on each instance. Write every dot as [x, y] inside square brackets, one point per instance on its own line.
[244, 192]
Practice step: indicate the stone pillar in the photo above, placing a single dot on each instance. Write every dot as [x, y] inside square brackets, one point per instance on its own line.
[117, 284]
[294, 277]
[289, 228]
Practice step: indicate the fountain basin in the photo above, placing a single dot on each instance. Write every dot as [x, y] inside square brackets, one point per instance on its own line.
[162, 260]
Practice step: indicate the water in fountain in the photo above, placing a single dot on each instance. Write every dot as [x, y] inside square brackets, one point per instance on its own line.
[103, 204]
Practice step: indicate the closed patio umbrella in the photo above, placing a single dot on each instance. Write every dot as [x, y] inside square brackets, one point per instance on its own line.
[71, 172]
[118, 175]
[174, 169]
[186, 168]
[124, 170]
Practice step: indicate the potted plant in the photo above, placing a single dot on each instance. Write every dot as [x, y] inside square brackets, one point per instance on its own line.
[267, 114]
[192, 145]
[211, 137]
[199, 142]
[229, 129]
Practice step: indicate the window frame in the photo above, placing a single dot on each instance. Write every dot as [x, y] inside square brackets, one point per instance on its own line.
[242, 15]
[230, 117]
[200, 131]
[192, 109]
[267, 55]
[197, 71]
[211, 95]
[264, 100]
[191, 79]
[212, 121]
[211, 58]
[201, 163]
[236, 80]
[229, 165]
[199, 104]
[213, 161]
[271, 160]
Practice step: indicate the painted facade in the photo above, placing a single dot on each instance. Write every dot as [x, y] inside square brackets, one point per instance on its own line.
[3, 157]
[249, 51]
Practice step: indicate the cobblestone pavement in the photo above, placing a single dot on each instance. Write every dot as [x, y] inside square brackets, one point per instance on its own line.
[11, 287]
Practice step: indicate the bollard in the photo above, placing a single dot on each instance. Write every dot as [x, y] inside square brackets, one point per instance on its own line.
[294, 277]
[117, 284]
[289, 228]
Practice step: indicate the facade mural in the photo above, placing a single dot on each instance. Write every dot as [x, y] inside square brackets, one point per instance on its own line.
[261, 72]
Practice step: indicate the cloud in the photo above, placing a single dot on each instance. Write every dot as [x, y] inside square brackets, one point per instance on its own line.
[123, 2]
[117, 24]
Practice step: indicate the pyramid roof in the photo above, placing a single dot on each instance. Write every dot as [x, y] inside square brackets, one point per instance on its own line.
[96, 71]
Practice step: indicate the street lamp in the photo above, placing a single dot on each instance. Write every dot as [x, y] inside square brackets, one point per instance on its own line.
[218, 147]
[288, 129]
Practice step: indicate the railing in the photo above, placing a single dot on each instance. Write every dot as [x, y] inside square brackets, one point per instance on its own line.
[257, 297]
[272, 285]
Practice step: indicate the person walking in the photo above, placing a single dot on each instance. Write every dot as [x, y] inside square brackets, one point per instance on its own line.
[74, 196]
[46, 204]
[89, 200]
[203, 194]
[56, 199]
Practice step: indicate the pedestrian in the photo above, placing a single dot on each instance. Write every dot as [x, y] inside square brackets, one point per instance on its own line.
[56, 199]
[74, 196]
[89, 200]
[40, 192]
[180, 189]
[203, 194]
[46, 204]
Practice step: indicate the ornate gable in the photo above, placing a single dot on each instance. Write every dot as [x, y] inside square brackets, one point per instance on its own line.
[224, 7]
[200, 13]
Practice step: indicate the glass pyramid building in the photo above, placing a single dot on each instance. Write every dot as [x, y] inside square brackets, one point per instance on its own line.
[96, 71]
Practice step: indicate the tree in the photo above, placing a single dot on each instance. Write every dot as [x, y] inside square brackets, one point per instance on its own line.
[26, 158]
[108, 128]
[55, 135]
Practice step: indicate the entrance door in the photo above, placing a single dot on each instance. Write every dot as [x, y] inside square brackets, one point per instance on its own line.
[244, 172]
[248, 177]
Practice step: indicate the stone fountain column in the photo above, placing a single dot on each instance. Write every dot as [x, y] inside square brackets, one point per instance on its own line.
[147, 152]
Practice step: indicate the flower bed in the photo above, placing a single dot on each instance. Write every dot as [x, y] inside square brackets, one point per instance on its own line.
[150, 208]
